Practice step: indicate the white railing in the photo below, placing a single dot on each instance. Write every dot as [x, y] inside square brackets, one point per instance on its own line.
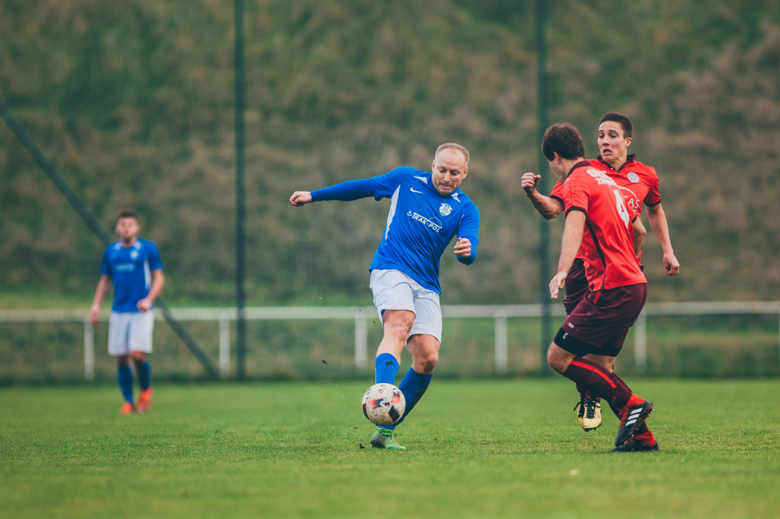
[360, 315]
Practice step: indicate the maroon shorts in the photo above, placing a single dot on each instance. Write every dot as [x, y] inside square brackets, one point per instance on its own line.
[601, 320]
[576, 286]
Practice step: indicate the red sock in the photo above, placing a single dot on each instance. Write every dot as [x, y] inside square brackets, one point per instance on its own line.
[598, 381]
[646, 437]
[642, 429]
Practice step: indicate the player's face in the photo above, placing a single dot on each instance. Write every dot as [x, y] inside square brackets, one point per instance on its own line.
[449, 170]
[127, 229]
[612, 145]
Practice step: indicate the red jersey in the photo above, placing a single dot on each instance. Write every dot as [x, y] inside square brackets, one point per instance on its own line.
[608, 237]
[638, 183]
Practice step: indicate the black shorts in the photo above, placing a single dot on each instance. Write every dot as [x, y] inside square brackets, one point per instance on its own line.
[600, 322]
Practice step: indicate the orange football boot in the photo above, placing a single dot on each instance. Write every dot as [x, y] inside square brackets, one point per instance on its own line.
[127, 408]
[145, 400]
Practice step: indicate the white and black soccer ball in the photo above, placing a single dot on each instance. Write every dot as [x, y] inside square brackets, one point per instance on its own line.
[384, 404]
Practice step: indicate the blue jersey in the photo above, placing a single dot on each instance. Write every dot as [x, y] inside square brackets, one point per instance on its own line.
[420, 224]
[131, 270]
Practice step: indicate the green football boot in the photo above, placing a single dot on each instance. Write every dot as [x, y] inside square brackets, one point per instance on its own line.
[385, 439]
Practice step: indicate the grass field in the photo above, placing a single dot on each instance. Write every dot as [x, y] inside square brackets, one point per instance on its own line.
[475, 449]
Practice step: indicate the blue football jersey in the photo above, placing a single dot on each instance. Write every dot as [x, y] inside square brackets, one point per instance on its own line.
[131, 270]
[420, 224]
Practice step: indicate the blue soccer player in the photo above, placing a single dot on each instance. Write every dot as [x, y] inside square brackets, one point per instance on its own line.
[426, 211]
[134, 266]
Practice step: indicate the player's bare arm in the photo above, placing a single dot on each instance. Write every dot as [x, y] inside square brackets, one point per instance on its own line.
[639, 235]
[572, 238]
[548, 207]
[300, 198]
[100, 293]
[463, 248]
[657, 217]
[158, 281]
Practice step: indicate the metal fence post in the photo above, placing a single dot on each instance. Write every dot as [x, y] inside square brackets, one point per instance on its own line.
[640, 351]
[224, 346]
[502, 356]
[361, 342]
[89, 350]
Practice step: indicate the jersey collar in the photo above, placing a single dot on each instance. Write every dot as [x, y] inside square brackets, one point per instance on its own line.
[580, 164]
[629, 160]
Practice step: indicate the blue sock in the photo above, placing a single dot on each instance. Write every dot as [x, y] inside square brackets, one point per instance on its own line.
[413, 387]
[125, 377]
[386, 368]
[144, 370]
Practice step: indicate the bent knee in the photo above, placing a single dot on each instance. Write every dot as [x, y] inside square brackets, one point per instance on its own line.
[428, 363]
[556, 362]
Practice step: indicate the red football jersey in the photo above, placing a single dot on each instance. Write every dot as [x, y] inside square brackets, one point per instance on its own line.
[638, 182]
[608, 237]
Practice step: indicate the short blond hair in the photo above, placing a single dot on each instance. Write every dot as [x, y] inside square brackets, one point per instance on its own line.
[452, 146]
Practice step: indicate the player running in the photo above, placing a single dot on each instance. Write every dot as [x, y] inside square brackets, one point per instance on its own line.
[639, 185]
[134, 266]
[426, 211]
[598, 223]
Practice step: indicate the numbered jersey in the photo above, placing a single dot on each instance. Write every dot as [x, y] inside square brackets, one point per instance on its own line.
[608, 239]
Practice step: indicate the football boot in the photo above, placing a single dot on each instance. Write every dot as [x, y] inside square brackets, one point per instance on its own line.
[631, 416]
[127, 408]
[145, 400]
[385, 439]
[591, 419]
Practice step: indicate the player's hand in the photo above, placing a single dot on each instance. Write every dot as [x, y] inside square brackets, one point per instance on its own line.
[144, 305]
[557, 283]
[671, 264]
[463, 248]
[529, 182]
[300, 198]
[94, 314]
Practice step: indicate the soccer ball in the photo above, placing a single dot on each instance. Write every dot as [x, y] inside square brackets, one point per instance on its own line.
[384, 404]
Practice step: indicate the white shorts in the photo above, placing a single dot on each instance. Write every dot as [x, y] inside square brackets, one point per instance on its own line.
[394, 290]
[131, 331]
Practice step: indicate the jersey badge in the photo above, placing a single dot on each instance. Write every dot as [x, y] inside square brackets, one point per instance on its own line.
[133, 254]
[633, 177]
[445, 209]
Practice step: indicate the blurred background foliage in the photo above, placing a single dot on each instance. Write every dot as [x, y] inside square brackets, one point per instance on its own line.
[134, 103]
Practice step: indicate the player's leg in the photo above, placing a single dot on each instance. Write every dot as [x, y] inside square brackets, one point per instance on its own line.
[397, 325]
[424, 343]
[425, 354]
[599, 324]
[140, 341]
[118, 346]
[591, 405]
[576, 289]
[394, 301]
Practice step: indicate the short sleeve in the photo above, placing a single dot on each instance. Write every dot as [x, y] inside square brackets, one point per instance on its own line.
[654, 194]
[557, 192]
[155, 263]
[105, 266]
[385, 185]
[576, 193]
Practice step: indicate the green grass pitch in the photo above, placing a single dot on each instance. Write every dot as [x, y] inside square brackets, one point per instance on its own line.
[500, 448]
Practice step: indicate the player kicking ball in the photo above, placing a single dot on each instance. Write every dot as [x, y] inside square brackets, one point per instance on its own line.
[598, 224]
[426, 211]
[133, 265]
